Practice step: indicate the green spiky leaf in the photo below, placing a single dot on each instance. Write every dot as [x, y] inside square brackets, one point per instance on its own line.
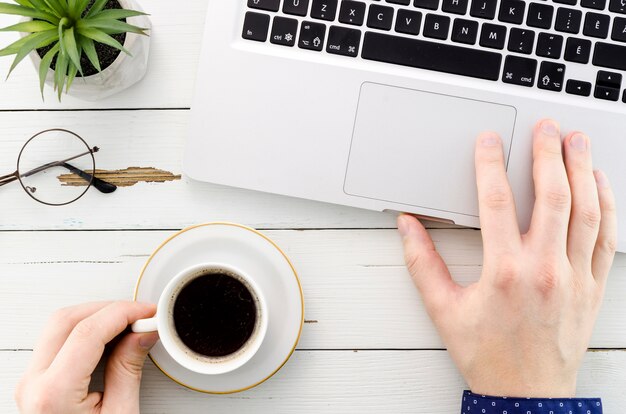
[71, 29]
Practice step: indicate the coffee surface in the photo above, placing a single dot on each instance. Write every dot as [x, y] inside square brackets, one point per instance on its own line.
[215, 315]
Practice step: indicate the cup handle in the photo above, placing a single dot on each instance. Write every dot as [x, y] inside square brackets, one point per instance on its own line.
[144, 325]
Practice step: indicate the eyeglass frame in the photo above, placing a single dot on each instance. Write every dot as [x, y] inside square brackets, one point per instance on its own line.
[92, 180]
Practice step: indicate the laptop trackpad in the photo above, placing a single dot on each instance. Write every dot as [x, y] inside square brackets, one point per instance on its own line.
[417, 148]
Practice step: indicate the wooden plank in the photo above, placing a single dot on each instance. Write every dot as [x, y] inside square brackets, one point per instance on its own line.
[169, 83]
[343, 382]
[358, 292]
[151, 139]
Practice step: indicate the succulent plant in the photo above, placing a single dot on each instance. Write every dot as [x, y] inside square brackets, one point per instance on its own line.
[67, 29]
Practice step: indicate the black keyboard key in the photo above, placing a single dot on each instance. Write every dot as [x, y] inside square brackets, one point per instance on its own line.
[493, 36]
[352, 12]
[570, 2]
[624, 97]
[296, 7]
[609, 79]
[343, 41]
[610, 56]
[568, 20]
[269, 5]
[436, 26]
[408, 22]
[312, 36]
[576, 87]
[400, 2]
[465, 31]
[512, 11]
[596, 25]
[380, 17]
[256, 26]
[519, 71]
[484, 9]
[617, 6]
[454, 6]
[427, 4]
[549, 45]
[607, 94]
[619, 29]
[540, 15]
[551, 76]
[284, 31]
[594, 4]
[432, 56]
[577, 50]
[521, 41]
[324, 9]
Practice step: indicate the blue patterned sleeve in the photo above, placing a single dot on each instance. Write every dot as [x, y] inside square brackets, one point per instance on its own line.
[481, 404]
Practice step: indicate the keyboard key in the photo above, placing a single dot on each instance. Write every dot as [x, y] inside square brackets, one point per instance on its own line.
[596, 25]
[493, 36]
[352, 12]
[343, 41]
[568, 20]
[610, 56]
[624, 97]
[324, 9]
[519, 71]
[594, 4]
[312, 36]
[577, 50]
[284, 31]
[570, 2]
[400, 2]
[549, 45]
[609, 79]
[607, 94]
[619, 29]
[256, 26]
[380, 17]
[465, 31]
[551, 76]
[540, 15]
[408, 21]
[296, 7]
[269, 5]
[617, 6]
[454, 6]
[512, 11]
[427, 4]
[436, 26]
[432, 56]
[521, 41]
[576, 87]
[484, 9]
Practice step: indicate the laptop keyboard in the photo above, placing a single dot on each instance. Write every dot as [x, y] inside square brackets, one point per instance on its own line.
[529, 44]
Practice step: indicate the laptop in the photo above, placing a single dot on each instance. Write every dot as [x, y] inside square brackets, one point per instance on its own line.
[376, 104]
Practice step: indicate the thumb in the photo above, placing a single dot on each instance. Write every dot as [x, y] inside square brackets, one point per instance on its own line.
[430, 274]
[122, 375]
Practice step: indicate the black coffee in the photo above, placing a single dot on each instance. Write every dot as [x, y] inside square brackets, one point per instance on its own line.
[215, 314]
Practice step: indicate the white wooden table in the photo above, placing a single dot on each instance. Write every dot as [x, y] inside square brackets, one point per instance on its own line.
[367, 344]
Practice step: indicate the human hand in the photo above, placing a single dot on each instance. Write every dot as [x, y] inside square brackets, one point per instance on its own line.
[57, 379]
[524, 327]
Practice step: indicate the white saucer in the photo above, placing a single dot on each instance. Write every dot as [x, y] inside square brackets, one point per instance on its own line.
[262, 259]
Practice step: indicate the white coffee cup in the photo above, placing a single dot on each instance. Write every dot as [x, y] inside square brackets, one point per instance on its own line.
[163, 322]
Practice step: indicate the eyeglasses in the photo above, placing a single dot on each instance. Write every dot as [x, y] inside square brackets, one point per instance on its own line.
[38, 174]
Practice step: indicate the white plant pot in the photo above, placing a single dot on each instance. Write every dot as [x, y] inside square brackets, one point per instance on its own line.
[124, 72]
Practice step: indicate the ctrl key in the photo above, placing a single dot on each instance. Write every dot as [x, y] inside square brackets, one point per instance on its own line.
[256, 26]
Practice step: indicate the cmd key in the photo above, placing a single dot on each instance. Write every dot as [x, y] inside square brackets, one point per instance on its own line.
[432, 56]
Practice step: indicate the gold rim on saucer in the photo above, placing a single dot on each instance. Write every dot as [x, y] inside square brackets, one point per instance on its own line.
[292, 269]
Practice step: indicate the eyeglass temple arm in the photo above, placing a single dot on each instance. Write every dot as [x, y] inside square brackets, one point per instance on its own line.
[100, 185]
[9, 178]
